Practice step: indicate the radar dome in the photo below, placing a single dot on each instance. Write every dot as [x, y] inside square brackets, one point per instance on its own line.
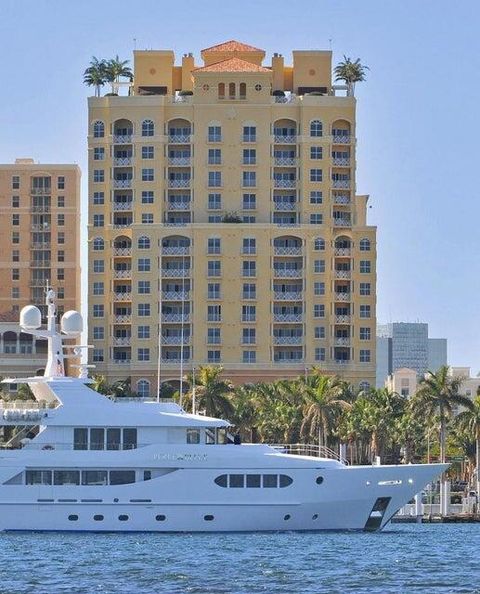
[72, 323]
[30, 317]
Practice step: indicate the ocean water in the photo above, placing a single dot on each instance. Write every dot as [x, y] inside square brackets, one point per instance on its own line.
[401, 559]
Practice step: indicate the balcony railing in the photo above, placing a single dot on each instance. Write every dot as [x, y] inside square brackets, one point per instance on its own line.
[285, 138]
[40, 245]
[175, 272]
[345, 274]
[290, 361]
[341, 199]
[40, 263]
[122, 252]
[288, 318]
[122, 138]
[122, 319]
[121, 340]
[122, 274]
[122, 183]
[343, 297]
[179, 138]
[174, 360]
[284, 205]
[122, 161]
[175, 318]
[288, 272]
[341, 341]
[175, 340]
[121, 206]
[343, 319]
[179, 183]
[122, 296]
[285, 161]
[288, 296]
[175, 295]
[287, 251]
[45, 227]
[40, 191]
[341, 222]
[284, 183]
[123, 225]
[121, 361]
[341, 161]
[176, 250]
[343, 251]
[341, 139]
[179, 161]
[179, 205]
[341, 183]
[40, 209]
[287, 340]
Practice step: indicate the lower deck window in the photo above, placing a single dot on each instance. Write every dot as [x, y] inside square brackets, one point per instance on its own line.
[98, 517]
[66, 477]
[94, 477]
[122, 477]
[38, 477]
[254, 481]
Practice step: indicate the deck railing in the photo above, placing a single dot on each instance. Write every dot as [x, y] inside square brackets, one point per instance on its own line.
[307, 449]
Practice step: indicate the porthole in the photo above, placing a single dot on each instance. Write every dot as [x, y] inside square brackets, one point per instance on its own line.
[206, 87]
[160, 518]
[73, 517]
[123, 518]
[315, 517]
[258, 87]
[319, 480]
[287, 517]
[208, 518]
[115, 500]
[98, 518]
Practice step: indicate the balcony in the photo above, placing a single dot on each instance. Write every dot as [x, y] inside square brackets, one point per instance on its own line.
[285, 162]
[44, 227]
[40, 209]
[341, 162]
[122, 296]
[179, 138]
[174, 360]
[40, 263]
[176, 250]
[343, 252]
[121, 361]
[179, 161]
[40, 191]
[288, 296]
[122, 183]
[179, 205]
[344, 184]
[122, 138]
[175, 295]
[123, 225]
[344, 274]
[341, 222]
[175, 272]
[287, 340]
[341, 139]
[285, 138]
[343, 297]
[122, 274]
[176, 318]
[40, 245]
[121, 340]
[125, 252]
[122, 206]
[284, 183]
[175, 340]
[341, 199]
[288, 361]
[288, 272]
[282, 205]
[179, 183]
[287, 251]
[288, 318]
[341, 341]
[122, 319]
[122, 161]
[343, 319]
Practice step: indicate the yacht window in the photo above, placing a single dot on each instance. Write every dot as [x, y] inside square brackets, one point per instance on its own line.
[80, 438]
[98, 517]
[193, 435]
[129, 439]
[253, 481]
[114, 439]
[319, 480]
[66, 477]
[94, 477]
[147, 475]
[73, 517]
[97, 439]
[122, 477]
[237, 480]
[208, 518]
[209, 436]
[160, 518]
[123, 518]
[221, 480]
[222, 436]
[285, 480]
[38, 477]
[270, 480]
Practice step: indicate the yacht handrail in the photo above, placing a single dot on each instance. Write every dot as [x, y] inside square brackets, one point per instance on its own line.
[307, 449]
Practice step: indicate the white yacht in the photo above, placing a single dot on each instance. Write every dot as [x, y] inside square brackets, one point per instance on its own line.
[80, 461]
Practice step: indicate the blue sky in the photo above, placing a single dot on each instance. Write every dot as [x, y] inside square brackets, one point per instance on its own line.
[418, 120]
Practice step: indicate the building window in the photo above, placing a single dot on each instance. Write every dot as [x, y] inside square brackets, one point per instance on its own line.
[249, 336]
[15, 182]
[365, 266]
[98, 153]
[316, 175]
[148, 175]
[249, 179]
[365, 311]
[147, 218]
[98, 266]
[249, 268]
[364, 355]
[365, 288]
[15, 274]
[214, 268]
[98, 176]
[15, 292]
[249, 156]
[214, 218]
[249, 356]
[61, 273]
[213, 291]
[143, 309]
[365, 333]
[15, 201]
[61, 292]
[248, 219]
[319, 244]
[316, 197]
[16, 220]
[98, 310]
[249, 313]
[143, 332]
[320, 354]
[148, 128]
[98, 288]
[319, 288]
[143, 243]
[144, 265]
[143, 287]
[319, 266]
[249, 134]
[98, 220]
[147, 197]
[98, 333]
[319, 310]
[249, 202]
[249, 245]
[143, 390]
[214, 156]
[320, 332]
[316, 128]
[214, 202]
[214, 313]
[214, 245]
[98, 129]
[214, 133]
[249, 291]
[61, 256]
[15, 255]
[143, 354]
[148, 152]
[98, 244]
[60, 201]
[364, 245]
[213, 336]
[98, 356]
[213, 357]
[316, 218]
[98, 198]
[214, 179]
[316, 152]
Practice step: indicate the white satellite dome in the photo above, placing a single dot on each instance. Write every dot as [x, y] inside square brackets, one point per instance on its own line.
[72, 322]
[30, 317]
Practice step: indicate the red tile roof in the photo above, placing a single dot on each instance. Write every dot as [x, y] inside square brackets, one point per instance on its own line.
[232, 46]
[232, 65]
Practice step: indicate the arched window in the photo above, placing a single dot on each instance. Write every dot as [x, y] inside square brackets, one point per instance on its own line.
[143, 243]
[364, 386]
[221, 90]
[316, 128]
[243, 90]
[231, 90]
[319, 244]
[98, 244]
[148, 128]
[98, 129]
[143, 388]
[364, 245]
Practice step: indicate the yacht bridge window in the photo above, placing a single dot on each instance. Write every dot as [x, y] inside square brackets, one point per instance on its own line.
[101, 438]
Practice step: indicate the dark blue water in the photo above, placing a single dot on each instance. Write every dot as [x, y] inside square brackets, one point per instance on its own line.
[402, 559]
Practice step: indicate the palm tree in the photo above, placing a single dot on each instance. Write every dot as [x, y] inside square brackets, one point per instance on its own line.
[213, 393]
[100, 385]
[323, 404]
[351, 73]
[438, 394]
[95, 74]
[469, 421]
[116, 69]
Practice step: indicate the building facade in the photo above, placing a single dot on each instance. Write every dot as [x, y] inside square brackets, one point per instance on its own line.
[407, 345]
[40, 247]
[224, 224]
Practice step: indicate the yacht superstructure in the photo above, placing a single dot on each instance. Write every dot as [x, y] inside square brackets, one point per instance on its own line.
[81, 461]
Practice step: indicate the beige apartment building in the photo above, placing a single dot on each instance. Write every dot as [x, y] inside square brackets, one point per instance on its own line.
[224, 226]
[40, 246]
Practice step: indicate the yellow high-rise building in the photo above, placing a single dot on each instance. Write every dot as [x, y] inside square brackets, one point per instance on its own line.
[224, 223]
